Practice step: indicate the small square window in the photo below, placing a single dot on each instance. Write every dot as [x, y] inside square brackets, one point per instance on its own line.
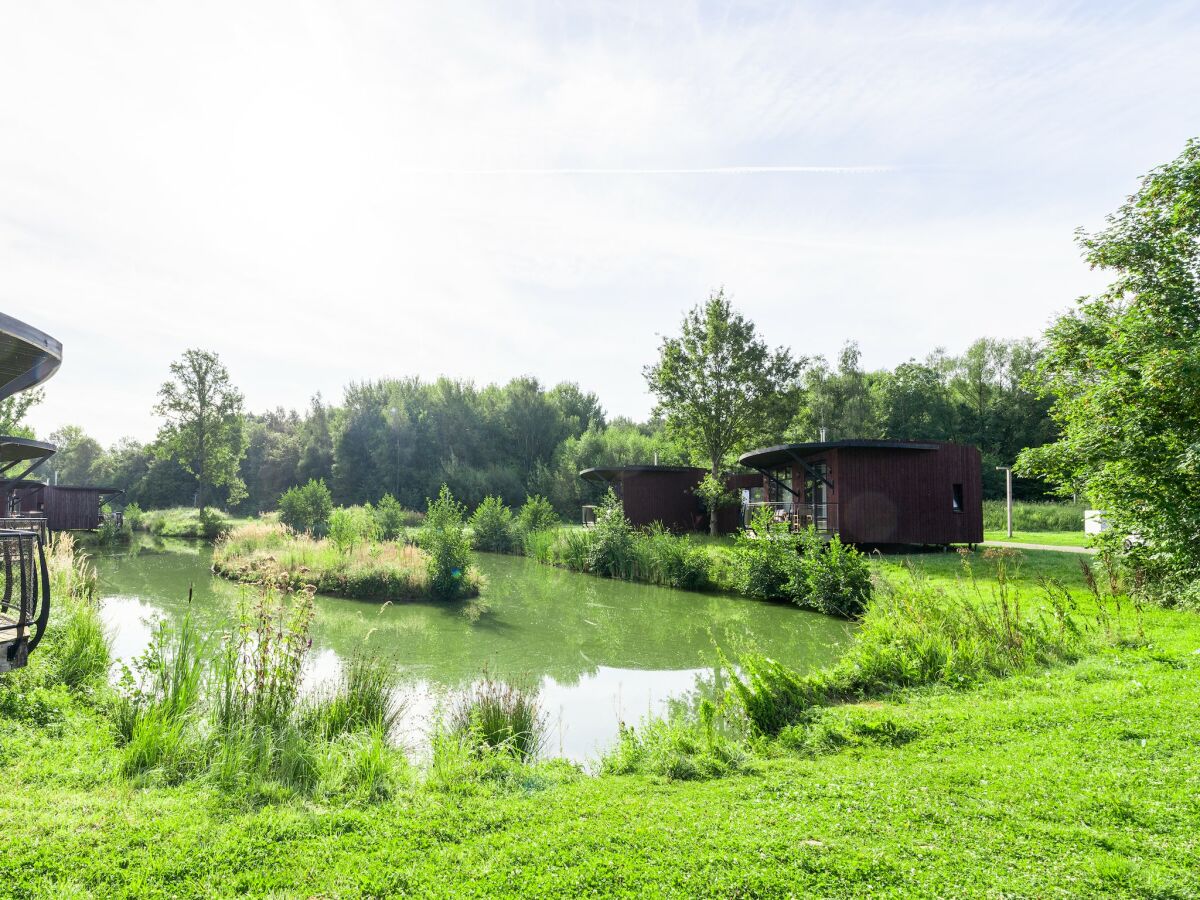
[958, 498]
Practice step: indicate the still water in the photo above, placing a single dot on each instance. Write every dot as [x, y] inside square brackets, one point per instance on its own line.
[604, 652]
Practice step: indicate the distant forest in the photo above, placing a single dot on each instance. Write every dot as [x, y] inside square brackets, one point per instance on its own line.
[406, 437]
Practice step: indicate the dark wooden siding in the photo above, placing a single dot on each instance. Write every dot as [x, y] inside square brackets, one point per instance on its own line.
[665, 497]
[65, 509]
[891, 496]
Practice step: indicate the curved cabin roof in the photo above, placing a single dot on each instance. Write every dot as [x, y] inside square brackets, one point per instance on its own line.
[15, 450]
[616, 473]
[27, 356]
[787, 453]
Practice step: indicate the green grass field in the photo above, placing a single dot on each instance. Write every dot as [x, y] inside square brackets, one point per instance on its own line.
[1049, 538]
[1080, 780]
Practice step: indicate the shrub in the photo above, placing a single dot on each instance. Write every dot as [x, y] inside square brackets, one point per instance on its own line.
[133, 516]
[500, 716]
[537, 514]
[444, 538]
[393, 519]
[831, 578]
[306, 508]
[611, 548]
[764, 558]
[350, 526]
[492, 527]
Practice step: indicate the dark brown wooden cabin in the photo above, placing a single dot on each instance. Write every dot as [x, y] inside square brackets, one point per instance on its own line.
[873, 492]
[66, 507]
[655, 494]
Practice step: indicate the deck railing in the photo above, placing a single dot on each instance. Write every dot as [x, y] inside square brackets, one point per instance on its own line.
[25, 601]
[796, 515]
[25, 523]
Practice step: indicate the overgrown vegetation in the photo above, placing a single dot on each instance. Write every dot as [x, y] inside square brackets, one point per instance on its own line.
[183, 521]
[271, 554]
[1034, 516]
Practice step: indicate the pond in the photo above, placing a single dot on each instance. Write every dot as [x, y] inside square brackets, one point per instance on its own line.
[603, 652]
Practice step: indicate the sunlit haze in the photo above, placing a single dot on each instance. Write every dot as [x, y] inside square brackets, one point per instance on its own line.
[330, 192]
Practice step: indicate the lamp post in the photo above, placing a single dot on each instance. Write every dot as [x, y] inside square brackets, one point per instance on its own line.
[1007, 470]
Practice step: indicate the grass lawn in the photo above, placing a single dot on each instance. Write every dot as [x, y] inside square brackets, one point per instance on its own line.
[1053, 538]
[1080, 780]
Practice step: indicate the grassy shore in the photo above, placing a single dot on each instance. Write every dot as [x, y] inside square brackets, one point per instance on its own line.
[185, 521]
[1076, 779]
[268, 553]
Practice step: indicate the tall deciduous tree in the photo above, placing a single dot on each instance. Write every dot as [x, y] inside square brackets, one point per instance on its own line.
[720, 386]
[203, 431]
[13, 411]
[1123, 369]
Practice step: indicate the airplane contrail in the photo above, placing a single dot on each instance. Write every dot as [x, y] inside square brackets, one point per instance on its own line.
[708, 170]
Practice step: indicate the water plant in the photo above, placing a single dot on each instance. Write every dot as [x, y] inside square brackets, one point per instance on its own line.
[500, 715]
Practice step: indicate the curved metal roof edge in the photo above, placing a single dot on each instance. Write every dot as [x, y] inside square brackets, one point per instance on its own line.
[598, 471]
[816, 446]
[51, 348]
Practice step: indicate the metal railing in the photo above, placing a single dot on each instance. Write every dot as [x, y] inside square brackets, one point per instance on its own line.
[796, 515]
[36, 523]
[25, 602]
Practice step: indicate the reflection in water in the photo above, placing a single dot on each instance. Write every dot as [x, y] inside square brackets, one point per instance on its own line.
[603, 651]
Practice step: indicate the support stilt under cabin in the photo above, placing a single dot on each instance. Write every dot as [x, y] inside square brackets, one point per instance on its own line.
[27, 358]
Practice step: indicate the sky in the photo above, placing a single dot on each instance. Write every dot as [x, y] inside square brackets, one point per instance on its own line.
[332, 192]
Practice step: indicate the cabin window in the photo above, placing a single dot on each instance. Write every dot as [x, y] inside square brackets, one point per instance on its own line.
[958, 498]
[775, 490]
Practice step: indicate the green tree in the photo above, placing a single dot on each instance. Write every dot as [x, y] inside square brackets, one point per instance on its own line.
[719, 386]
[78, 455]
[13, 411]
[203, 430]
[1123, 369]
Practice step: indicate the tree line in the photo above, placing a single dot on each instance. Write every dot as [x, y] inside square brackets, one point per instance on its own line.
[407, 437]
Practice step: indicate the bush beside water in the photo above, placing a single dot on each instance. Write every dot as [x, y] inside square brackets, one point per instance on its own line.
[183, 521]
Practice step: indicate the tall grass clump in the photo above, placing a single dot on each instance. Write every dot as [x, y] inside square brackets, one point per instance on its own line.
[229, 709]
[448, 548]
[1034, 516]
[687, 745]
[496, 715]
[158, 702]
[363, 699]
[74, 655]
[493, 529]
[917, 634]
